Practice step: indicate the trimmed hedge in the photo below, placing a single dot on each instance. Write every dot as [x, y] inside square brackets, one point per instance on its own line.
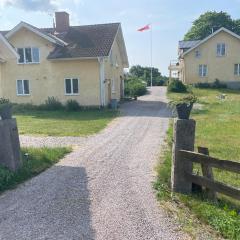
[135, 87]
[177, 86]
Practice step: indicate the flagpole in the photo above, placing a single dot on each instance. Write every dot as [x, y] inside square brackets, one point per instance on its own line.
[151, 46]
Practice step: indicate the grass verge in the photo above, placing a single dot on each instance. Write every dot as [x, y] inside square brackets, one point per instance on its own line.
[37, 160]
[62, 123]
[218, 128]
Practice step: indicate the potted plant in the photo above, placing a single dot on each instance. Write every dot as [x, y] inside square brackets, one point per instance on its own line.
[5, 109]
[184, 106]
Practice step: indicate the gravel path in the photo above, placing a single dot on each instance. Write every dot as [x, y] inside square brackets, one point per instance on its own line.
[100, 191]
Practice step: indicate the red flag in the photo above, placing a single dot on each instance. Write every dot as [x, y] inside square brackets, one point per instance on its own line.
[147, 27]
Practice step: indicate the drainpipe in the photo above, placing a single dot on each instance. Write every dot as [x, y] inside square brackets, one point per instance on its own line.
[102, 80]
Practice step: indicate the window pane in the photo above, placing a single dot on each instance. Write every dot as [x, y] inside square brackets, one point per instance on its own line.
[75, 85]
[235, 69]
[200, 71]
[21, 55]
[26, 86]
[19, 87]
[28, 55]
[223, 50]
[204, 70]
[68, 87]
[35, 54]
[218, 49]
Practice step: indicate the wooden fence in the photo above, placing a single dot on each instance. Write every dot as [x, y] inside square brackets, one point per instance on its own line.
[207, 180]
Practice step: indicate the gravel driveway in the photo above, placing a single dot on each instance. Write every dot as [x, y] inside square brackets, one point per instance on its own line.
[103, 189]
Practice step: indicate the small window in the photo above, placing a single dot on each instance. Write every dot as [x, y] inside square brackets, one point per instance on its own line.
[28, 55]
[221, 49]
[23, 87]
[202, 70]
[197, 54]
[71, 86]
[237, 69]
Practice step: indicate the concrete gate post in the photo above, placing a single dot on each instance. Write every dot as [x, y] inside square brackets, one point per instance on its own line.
[10, 155]
[184, 137]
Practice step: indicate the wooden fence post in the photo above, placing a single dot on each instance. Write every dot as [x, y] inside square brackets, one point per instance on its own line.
[208, 173]
[184, 137]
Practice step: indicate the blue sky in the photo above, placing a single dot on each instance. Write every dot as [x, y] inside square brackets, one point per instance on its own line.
[170, 20]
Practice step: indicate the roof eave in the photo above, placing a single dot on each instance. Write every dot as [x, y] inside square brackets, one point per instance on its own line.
[32, 29]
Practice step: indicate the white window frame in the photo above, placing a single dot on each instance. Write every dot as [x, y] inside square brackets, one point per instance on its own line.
[238, 69]
[24, 55]
[71, 94]
[202, 70]
[221, 50]
[23, 94]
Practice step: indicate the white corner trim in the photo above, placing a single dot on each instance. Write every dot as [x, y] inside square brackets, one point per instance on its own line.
[210, 36]
[101, 80]
[9, 46]
[30, 28]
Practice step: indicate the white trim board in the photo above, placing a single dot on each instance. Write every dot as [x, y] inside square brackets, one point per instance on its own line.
[34, 30]
[210, 36]
[9, 46]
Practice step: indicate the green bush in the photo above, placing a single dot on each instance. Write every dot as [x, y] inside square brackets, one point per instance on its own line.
[215, 85]
[51, 104]
[135, 87]
[4, 101]
[72, 105]
[177, 87]
[24, 107]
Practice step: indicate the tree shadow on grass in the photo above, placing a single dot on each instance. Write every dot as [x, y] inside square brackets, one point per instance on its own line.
[53, 205]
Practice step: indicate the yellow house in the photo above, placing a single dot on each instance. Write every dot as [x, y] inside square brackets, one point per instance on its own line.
[215, 57]
[84, 63]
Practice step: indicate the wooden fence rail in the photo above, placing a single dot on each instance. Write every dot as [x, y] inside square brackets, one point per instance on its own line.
[207, 179]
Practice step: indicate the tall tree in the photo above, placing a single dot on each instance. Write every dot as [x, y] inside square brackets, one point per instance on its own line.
[144, 73]
[211, 21]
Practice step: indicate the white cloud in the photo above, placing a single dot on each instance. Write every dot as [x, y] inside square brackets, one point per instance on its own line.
[31, 5]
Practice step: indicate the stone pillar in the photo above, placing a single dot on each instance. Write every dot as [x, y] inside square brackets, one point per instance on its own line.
[184, 137]
[10, 155]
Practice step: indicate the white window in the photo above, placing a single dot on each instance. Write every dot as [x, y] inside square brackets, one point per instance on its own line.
[71, 86]
[28, 55]
[23, 87]
[237, 69]
[113, 85]
[197, 54]
[202, 71]
[221, 49]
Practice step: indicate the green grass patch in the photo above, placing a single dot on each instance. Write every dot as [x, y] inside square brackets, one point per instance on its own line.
[218, 128]
[36, 161]
[62, 123]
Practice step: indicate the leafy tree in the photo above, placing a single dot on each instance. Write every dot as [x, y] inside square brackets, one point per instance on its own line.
[211, 21]
[144, 73]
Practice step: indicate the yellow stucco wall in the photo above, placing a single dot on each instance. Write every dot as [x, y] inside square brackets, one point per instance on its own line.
[47, 78]
[221, 68]
[113, 72]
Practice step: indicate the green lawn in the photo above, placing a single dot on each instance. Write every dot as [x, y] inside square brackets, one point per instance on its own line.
[62, 123]
[218, 128]
[38, 160]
